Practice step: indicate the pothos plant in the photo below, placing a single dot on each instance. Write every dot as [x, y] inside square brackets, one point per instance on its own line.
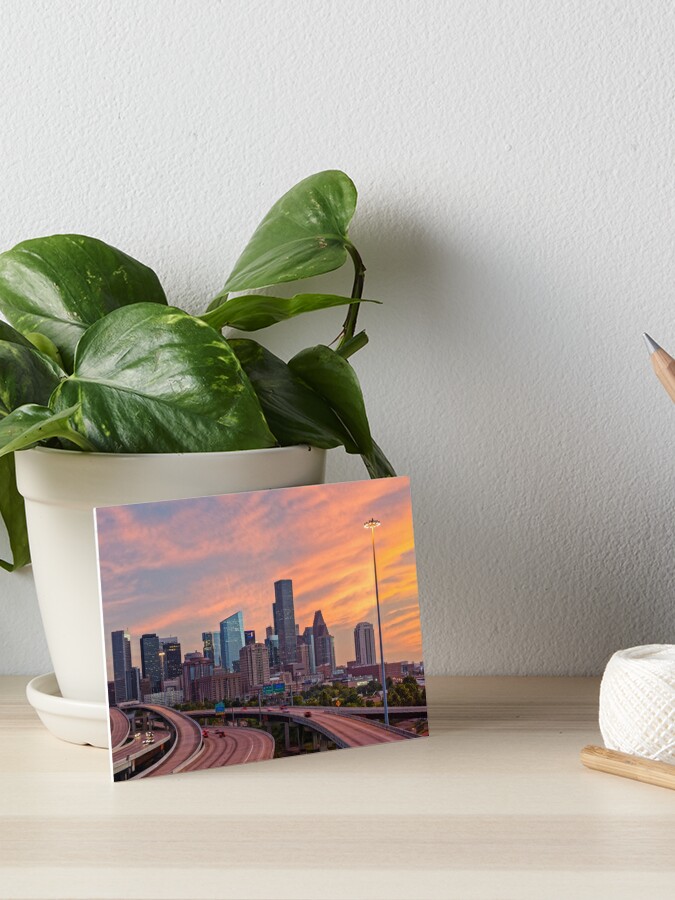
[94, 358]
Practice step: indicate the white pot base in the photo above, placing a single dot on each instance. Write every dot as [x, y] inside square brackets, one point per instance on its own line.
[76, 721]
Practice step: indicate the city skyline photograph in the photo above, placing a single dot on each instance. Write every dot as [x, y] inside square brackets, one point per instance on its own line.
[183, 566]
[250, 626]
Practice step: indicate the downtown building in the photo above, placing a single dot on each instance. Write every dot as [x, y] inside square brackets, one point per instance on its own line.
[283, 613]
[364, 644]
[195, 669]
[254, 667]
[173, 659]
[231, 640]
[151, 662]
[121, 657]
[324, 648]
[211, 645]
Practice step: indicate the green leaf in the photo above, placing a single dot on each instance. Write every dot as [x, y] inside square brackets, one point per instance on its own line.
[26, 375]
[153, 379]
[377, 463]
[59, 285]
[42, 343]
[13, 515]
[294, 412]
[304, 234]
[333, 378]
[251, 312]
[30, 424]
[7, 333]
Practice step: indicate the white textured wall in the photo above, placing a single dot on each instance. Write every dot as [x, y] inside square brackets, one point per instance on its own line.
[517, 201]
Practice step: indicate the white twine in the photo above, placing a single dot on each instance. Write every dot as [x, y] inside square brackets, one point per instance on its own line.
[637, 702]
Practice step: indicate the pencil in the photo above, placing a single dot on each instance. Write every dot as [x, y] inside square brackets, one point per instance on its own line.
[663, 365]
[648, 771]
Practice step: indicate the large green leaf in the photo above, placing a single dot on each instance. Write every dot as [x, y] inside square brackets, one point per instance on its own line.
[59, 285]
[294, 412]
[13, 514]
[377, 463]
[250, 312]
[153, 379]
[331, 376]
[30, 424]
[304, 234]
[26, 375]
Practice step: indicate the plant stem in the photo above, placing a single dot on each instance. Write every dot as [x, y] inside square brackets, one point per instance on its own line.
[346, 348]
[357, 292]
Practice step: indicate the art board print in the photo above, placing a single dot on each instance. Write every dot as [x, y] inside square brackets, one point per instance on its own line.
[244, 627]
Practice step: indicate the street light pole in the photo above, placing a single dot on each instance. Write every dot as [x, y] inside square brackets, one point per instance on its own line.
[372, 524]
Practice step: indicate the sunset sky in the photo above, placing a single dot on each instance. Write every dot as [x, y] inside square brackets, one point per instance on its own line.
[179, 567]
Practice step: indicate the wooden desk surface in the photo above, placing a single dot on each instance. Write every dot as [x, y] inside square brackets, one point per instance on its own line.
[494, 805]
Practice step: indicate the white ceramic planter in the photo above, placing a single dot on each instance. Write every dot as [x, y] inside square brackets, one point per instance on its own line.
[61, 488]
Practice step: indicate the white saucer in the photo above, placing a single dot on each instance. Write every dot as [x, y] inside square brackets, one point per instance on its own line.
[77, 721]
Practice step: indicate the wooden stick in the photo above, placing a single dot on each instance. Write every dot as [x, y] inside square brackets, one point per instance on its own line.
[648, 771]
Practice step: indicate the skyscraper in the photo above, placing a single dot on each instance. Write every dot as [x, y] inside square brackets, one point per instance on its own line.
[254, 667]
[151, 666]
[249, 637]
[308, 638]
[211, 643]
[272, 644]
[121, 654]
[173, 660]
[364, 644]
[207, 643]
[284, 620]
[231, 639]
[134, 684]
[323, 642]
[324, 649]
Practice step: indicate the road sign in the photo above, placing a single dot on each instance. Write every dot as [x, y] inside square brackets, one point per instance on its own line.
[220, 707]
[271, 689]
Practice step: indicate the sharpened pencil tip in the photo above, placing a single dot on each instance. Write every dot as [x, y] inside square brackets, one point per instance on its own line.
[652, 346]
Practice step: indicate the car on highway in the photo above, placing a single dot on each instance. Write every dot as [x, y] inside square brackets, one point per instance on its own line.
[308, 715]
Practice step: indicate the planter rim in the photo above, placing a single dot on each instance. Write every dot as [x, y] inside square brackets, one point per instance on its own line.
[94, 454]
[77, 479]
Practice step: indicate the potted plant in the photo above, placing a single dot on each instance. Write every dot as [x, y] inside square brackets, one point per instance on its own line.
[109, 395]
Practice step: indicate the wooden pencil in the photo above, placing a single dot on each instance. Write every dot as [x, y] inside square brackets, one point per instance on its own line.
[648, 771]
[663, 365]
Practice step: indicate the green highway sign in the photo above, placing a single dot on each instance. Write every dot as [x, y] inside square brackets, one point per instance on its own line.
[270, 689]
[220, 707]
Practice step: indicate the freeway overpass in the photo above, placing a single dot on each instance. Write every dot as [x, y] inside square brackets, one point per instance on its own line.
[336, 724]
[180, 744]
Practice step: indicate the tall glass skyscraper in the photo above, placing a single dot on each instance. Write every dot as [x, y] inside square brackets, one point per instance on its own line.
[284, 621]
[211, 642]
[308, 637]
[121, 655]
[151, 665]
[173, 659]
[231, 640]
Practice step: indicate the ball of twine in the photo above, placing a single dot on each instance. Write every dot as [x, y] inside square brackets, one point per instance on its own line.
[637, 702]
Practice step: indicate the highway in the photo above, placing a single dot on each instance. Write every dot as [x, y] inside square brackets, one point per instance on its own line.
[237, 745]
[353, 732]
[365, 711]
[119, 727]
[188, 741]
